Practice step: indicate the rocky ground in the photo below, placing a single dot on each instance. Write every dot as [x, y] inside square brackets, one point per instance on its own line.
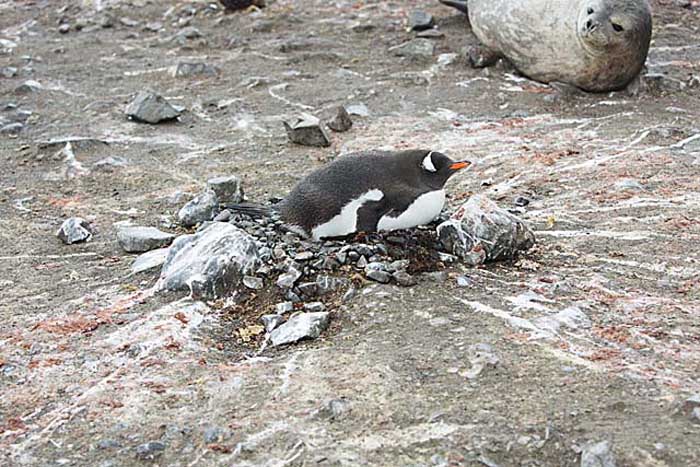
[587, 345]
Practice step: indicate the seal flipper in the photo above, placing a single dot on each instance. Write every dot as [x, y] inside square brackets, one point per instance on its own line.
[462, 6]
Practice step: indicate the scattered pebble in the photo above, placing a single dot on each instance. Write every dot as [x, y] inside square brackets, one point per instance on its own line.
[74, 230]
[202, 208]
[314, 307]
[287, 280]
[404, 279]
[360, 110]
[419, 20]
[185, 69]
[228, 189]
[148, 107]
[271, 322]
[417, 49]
[253, 283]
[284, 307]
[431, 34]
[307, 131]
[300, 326]
[149, 260]
[597, 455]
[8, 72]
[481, 357]
[150, 450]
[341, 122]
[141, 239]
[28, 87]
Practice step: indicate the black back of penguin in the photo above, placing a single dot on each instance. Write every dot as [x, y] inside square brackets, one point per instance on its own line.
[322, 194]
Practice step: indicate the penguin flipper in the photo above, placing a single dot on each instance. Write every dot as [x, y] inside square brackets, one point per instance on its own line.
[369, 214]
[252, 209]
[462, 6]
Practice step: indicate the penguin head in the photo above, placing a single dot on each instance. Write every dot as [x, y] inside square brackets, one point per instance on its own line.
[436, 168]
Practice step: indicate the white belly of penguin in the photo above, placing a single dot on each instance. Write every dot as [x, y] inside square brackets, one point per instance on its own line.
[422, 211]
[345, 222]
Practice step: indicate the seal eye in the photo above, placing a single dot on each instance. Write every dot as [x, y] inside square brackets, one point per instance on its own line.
[590, 11]
[617, 27]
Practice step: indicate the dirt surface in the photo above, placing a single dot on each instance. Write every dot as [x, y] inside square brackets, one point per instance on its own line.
[93, 364]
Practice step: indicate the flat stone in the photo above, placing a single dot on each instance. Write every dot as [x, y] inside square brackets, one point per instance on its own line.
[690, 404]
[436, 276]
[300, 326]
[341, 122]
[271, 322]
[480, 231]
[464, 281]
[150, 450]
[304, 256]
[28, 87]
[200, 209]
[416, 49]
[148, 107]
[64, 28]
[8, 72]
[140, 239]
[253, 283]
[360, 110]
[284, 307]
[149, 260]
[314, 306]
[287, 280]
[108, 164]
[214, 434]
[597, 455]
[11, 129]
[210, 263]
[228, 189]
[307, 131]
[431, 34]
[379, 276]
[74, 230]
[404, 279]
[419, 20]
[185, 69]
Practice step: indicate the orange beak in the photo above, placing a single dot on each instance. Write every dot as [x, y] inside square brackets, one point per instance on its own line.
[460, 165]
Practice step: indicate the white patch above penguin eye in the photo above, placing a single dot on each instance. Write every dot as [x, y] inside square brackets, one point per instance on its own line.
[427, 163]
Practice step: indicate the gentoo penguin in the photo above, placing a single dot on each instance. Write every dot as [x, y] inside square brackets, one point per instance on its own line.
[368, 192]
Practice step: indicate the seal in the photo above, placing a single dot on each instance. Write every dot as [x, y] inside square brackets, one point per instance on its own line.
[594, 45]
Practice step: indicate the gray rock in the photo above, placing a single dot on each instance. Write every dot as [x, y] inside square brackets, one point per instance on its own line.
[362, 262]
[695, 415]
[334, 409]
[300, 326]
[150, 450]
[8, 72]
[481, 357]
[287, 280]
[404, 279]
[420, 20]
[150, 260]
[108, 444]
[271, 322]
[308, 289]
[11, 129]
[629, 184]
[202, 208]
[379, 276]
[572, 317]
[436, 276]
[148, 107]
[64, 28]
[659, 83]
[431, 34]
[416, 49]
[140, 239]
[597, 455]
[480, 231]
[314, 306]
[74, 230]
[307, 131]
[228, 190]
[253, 283]
[184, 69]
[110, 163]
[303, 256]
[214, 434]
[211, 262]
[360, 110]
[284, 307]
[225, 216]
[690, 404]
[341, 122]
[447, 258]
[327, 284]
[464, 281]
[28, 87]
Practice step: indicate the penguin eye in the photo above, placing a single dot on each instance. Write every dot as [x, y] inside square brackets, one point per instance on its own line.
[427, 163]
[617, 27]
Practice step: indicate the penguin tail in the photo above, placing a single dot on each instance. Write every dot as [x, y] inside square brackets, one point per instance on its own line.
[460, 5]
[252, 209]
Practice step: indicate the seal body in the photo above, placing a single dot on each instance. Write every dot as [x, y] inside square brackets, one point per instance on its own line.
[369, 191]
[595, 45]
